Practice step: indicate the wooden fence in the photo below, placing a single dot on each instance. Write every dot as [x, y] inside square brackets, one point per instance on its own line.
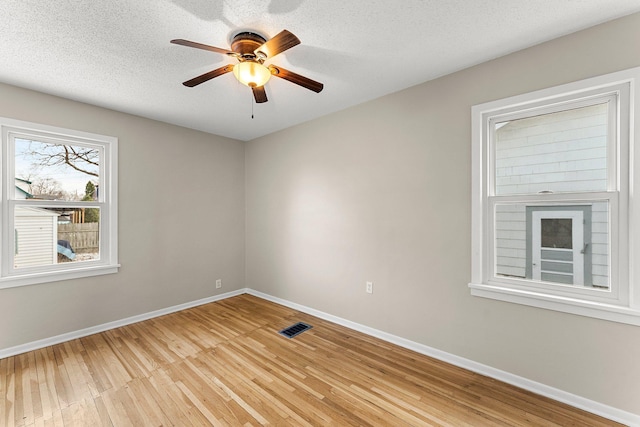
[83, 238]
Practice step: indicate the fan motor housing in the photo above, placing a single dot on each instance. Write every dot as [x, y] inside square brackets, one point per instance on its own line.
[246, 43]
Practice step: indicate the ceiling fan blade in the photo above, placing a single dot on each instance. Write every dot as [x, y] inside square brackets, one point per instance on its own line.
[296, 78]
[196, 45]
[208, 76]
[259, 94]
[277, 44]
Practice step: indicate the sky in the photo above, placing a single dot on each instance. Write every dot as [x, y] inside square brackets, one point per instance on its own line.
[26, 167]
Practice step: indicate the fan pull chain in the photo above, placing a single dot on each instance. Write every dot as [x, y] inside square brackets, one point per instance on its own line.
[252, 103]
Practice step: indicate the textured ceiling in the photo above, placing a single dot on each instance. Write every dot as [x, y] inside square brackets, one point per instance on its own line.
[116, 53]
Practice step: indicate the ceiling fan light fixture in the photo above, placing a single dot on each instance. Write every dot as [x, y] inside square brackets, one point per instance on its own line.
[252, 74]
[251, 50]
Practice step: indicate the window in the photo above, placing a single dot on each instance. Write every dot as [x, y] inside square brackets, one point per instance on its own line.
[59, 204]
[552, 211]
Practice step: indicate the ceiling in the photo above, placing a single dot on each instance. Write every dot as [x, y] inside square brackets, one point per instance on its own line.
[116, 54]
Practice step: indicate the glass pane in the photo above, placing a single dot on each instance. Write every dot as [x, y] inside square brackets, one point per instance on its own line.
[48, 171]
[571, 248]
[556, 233]
[564, 151]
[47, 236]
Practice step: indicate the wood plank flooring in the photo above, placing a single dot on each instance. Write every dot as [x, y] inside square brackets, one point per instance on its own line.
[223, 364]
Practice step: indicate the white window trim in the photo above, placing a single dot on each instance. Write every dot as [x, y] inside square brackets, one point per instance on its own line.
[624, 307]
[108, 203]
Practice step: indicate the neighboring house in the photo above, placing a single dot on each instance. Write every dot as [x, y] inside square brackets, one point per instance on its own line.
[36, 233]
[22, 189]
[564, 152]
[36, 237]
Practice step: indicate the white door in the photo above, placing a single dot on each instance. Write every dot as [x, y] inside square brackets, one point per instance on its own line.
[557, 239]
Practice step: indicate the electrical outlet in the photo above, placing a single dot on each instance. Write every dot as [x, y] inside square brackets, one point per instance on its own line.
[218, 283]
[369, 287]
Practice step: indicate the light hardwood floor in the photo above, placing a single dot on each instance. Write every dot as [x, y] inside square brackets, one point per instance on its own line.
[224, 364]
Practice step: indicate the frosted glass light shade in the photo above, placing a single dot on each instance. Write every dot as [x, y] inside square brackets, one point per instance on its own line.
[252, 74]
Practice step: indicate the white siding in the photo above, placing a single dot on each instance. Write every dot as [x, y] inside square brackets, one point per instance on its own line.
[36, 237]
[600, 244]
[511, 240]
[560, 152]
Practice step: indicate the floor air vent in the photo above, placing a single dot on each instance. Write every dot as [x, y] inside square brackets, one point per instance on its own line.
[294, 330]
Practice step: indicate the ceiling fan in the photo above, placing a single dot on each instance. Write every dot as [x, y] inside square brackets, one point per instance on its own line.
[252, 50]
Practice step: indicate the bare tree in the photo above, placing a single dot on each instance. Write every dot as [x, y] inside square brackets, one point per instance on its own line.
[46, 187]
[82, 159]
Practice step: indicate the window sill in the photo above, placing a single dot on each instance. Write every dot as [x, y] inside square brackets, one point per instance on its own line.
[598, 310]
[55, 276]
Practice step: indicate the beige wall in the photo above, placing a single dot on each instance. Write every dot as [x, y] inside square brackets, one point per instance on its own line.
[381, 192]
[181, 222]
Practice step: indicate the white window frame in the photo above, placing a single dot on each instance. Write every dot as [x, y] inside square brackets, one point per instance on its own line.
[621, 303]
[107, 202]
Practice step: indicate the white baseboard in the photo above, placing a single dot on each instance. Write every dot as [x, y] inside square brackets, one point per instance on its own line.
[588, 405]
[35, 345]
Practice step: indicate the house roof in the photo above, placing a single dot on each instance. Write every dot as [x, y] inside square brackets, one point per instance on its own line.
[21, 190]
[25, 193]
[117, 54]
[33, 211]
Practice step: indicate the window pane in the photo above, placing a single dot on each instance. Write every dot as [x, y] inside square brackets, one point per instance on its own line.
[48, 171]
[47, 236]
[564, 151]
[563, 244]
[556, 233]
